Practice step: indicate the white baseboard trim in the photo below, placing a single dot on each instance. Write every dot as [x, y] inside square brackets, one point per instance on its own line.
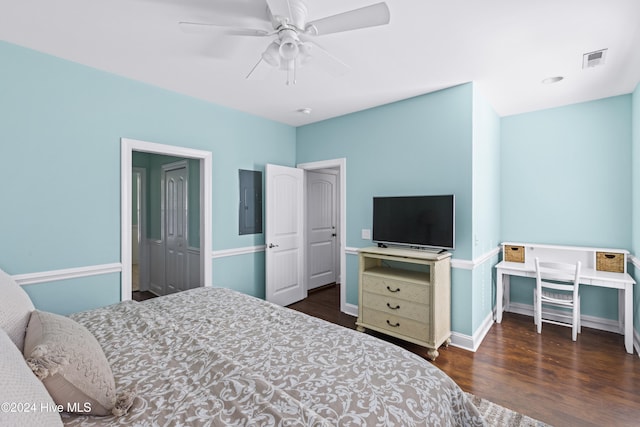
[636, 342]
[593, 322]
[67, 273]
[471, 343]
[351, 309]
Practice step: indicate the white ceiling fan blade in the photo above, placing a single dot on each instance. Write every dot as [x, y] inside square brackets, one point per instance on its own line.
[199, 27]
[321, 58]
[368, 16]
[260, 71]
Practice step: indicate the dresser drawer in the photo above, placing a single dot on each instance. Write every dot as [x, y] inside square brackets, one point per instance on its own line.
[395, 288]
[396, 324]
[396, 307]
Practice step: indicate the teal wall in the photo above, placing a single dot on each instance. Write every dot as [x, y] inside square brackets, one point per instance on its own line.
[440, 143]
[566, 179]
[515, 178]
[417, 146]
[486, 207]
[60, 130]
[421, 145]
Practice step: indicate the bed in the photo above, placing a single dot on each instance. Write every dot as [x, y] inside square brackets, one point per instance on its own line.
[214, 357]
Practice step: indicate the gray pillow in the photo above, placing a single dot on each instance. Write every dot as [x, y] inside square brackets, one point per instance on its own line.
[15, 309]
[24, 398]
[71, 364]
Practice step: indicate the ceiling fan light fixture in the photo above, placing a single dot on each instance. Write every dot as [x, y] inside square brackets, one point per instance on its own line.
[305, 52]
[272, 54]
[289, 49]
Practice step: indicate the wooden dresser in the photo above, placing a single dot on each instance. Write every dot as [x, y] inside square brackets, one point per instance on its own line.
[406, 293]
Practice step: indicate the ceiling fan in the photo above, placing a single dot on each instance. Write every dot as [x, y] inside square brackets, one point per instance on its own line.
[292, 45]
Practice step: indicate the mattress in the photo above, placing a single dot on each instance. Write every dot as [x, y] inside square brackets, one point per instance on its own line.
[215, 357]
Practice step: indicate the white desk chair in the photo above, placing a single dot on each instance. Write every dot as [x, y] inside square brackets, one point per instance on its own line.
[557, 285]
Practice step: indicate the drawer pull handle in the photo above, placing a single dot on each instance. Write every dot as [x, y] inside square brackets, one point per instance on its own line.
[393, 308]
[515, 248]
[610, 256]
[393, 325]
[393, 290]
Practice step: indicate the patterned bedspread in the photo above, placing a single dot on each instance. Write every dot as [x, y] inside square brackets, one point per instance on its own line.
[214, 357]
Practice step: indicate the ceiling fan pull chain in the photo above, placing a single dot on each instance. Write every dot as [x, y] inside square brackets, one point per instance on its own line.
[295, 72]
[291, 68]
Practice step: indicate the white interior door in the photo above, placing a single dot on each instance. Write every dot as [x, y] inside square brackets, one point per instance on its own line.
[284, 234]
[321, 228]
[176, 230]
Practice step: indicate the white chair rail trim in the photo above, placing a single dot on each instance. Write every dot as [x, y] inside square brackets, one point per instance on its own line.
[116, 267]
[67, 273]
[462, 264]
[237, 251]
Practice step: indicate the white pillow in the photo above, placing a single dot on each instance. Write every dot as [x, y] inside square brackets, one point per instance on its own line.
[24, 399]
[70, 362]
[15, 309]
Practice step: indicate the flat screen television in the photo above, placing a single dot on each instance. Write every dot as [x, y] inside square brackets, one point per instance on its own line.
[416, 221]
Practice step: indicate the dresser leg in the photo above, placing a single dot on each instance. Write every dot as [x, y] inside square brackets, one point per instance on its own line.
[447, 342]
[432, 354]
[359, 328]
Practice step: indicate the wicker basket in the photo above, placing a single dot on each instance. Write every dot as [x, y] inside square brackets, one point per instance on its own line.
[514, 253]
[610, 261]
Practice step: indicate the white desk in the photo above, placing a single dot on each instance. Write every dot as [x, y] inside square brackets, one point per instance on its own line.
[588, 276]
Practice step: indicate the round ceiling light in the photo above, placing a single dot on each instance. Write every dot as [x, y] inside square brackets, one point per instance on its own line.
[305, 110]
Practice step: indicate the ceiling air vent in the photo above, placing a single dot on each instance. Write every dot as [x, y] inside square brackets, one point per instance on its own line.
[594, 59]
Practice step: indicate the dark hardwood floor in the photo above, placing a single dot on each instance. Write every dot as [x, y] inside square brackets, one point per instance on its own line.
[592, 382]
[142, 295]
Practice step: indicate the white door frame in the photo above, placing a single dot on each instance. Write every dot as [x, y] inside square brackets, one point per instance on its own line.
[127, 147]
[335, 258]
[143, 261]
[341, 165]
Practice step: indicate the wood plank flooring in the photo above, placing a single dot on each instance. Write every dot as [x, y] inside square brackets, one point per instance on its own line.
[592, 382]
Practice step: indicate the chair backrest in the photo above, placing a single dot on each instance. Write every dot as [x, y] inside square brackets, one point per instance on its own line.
[558, 275]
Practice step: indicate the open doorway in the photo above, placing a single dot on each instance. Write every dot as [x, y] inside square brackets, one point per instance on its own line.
[325, 232]
[165, 228]
[202, 275]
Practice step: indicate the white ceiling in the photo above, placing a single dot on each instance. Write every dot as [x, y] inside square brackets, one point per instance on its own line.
[507, 46]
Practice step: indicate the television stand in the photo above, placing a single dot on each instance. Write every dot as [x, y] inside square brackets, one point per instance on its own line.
[430, 250]
[406, 293]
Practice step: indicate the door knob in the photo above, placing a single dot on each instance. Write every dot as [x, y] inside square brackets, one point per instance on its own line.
[271, 245]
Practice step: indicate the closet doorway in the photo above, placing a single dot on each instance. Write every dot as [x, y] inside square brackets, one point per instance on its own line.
[194, 244]
[325, 236]
[169, 239]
